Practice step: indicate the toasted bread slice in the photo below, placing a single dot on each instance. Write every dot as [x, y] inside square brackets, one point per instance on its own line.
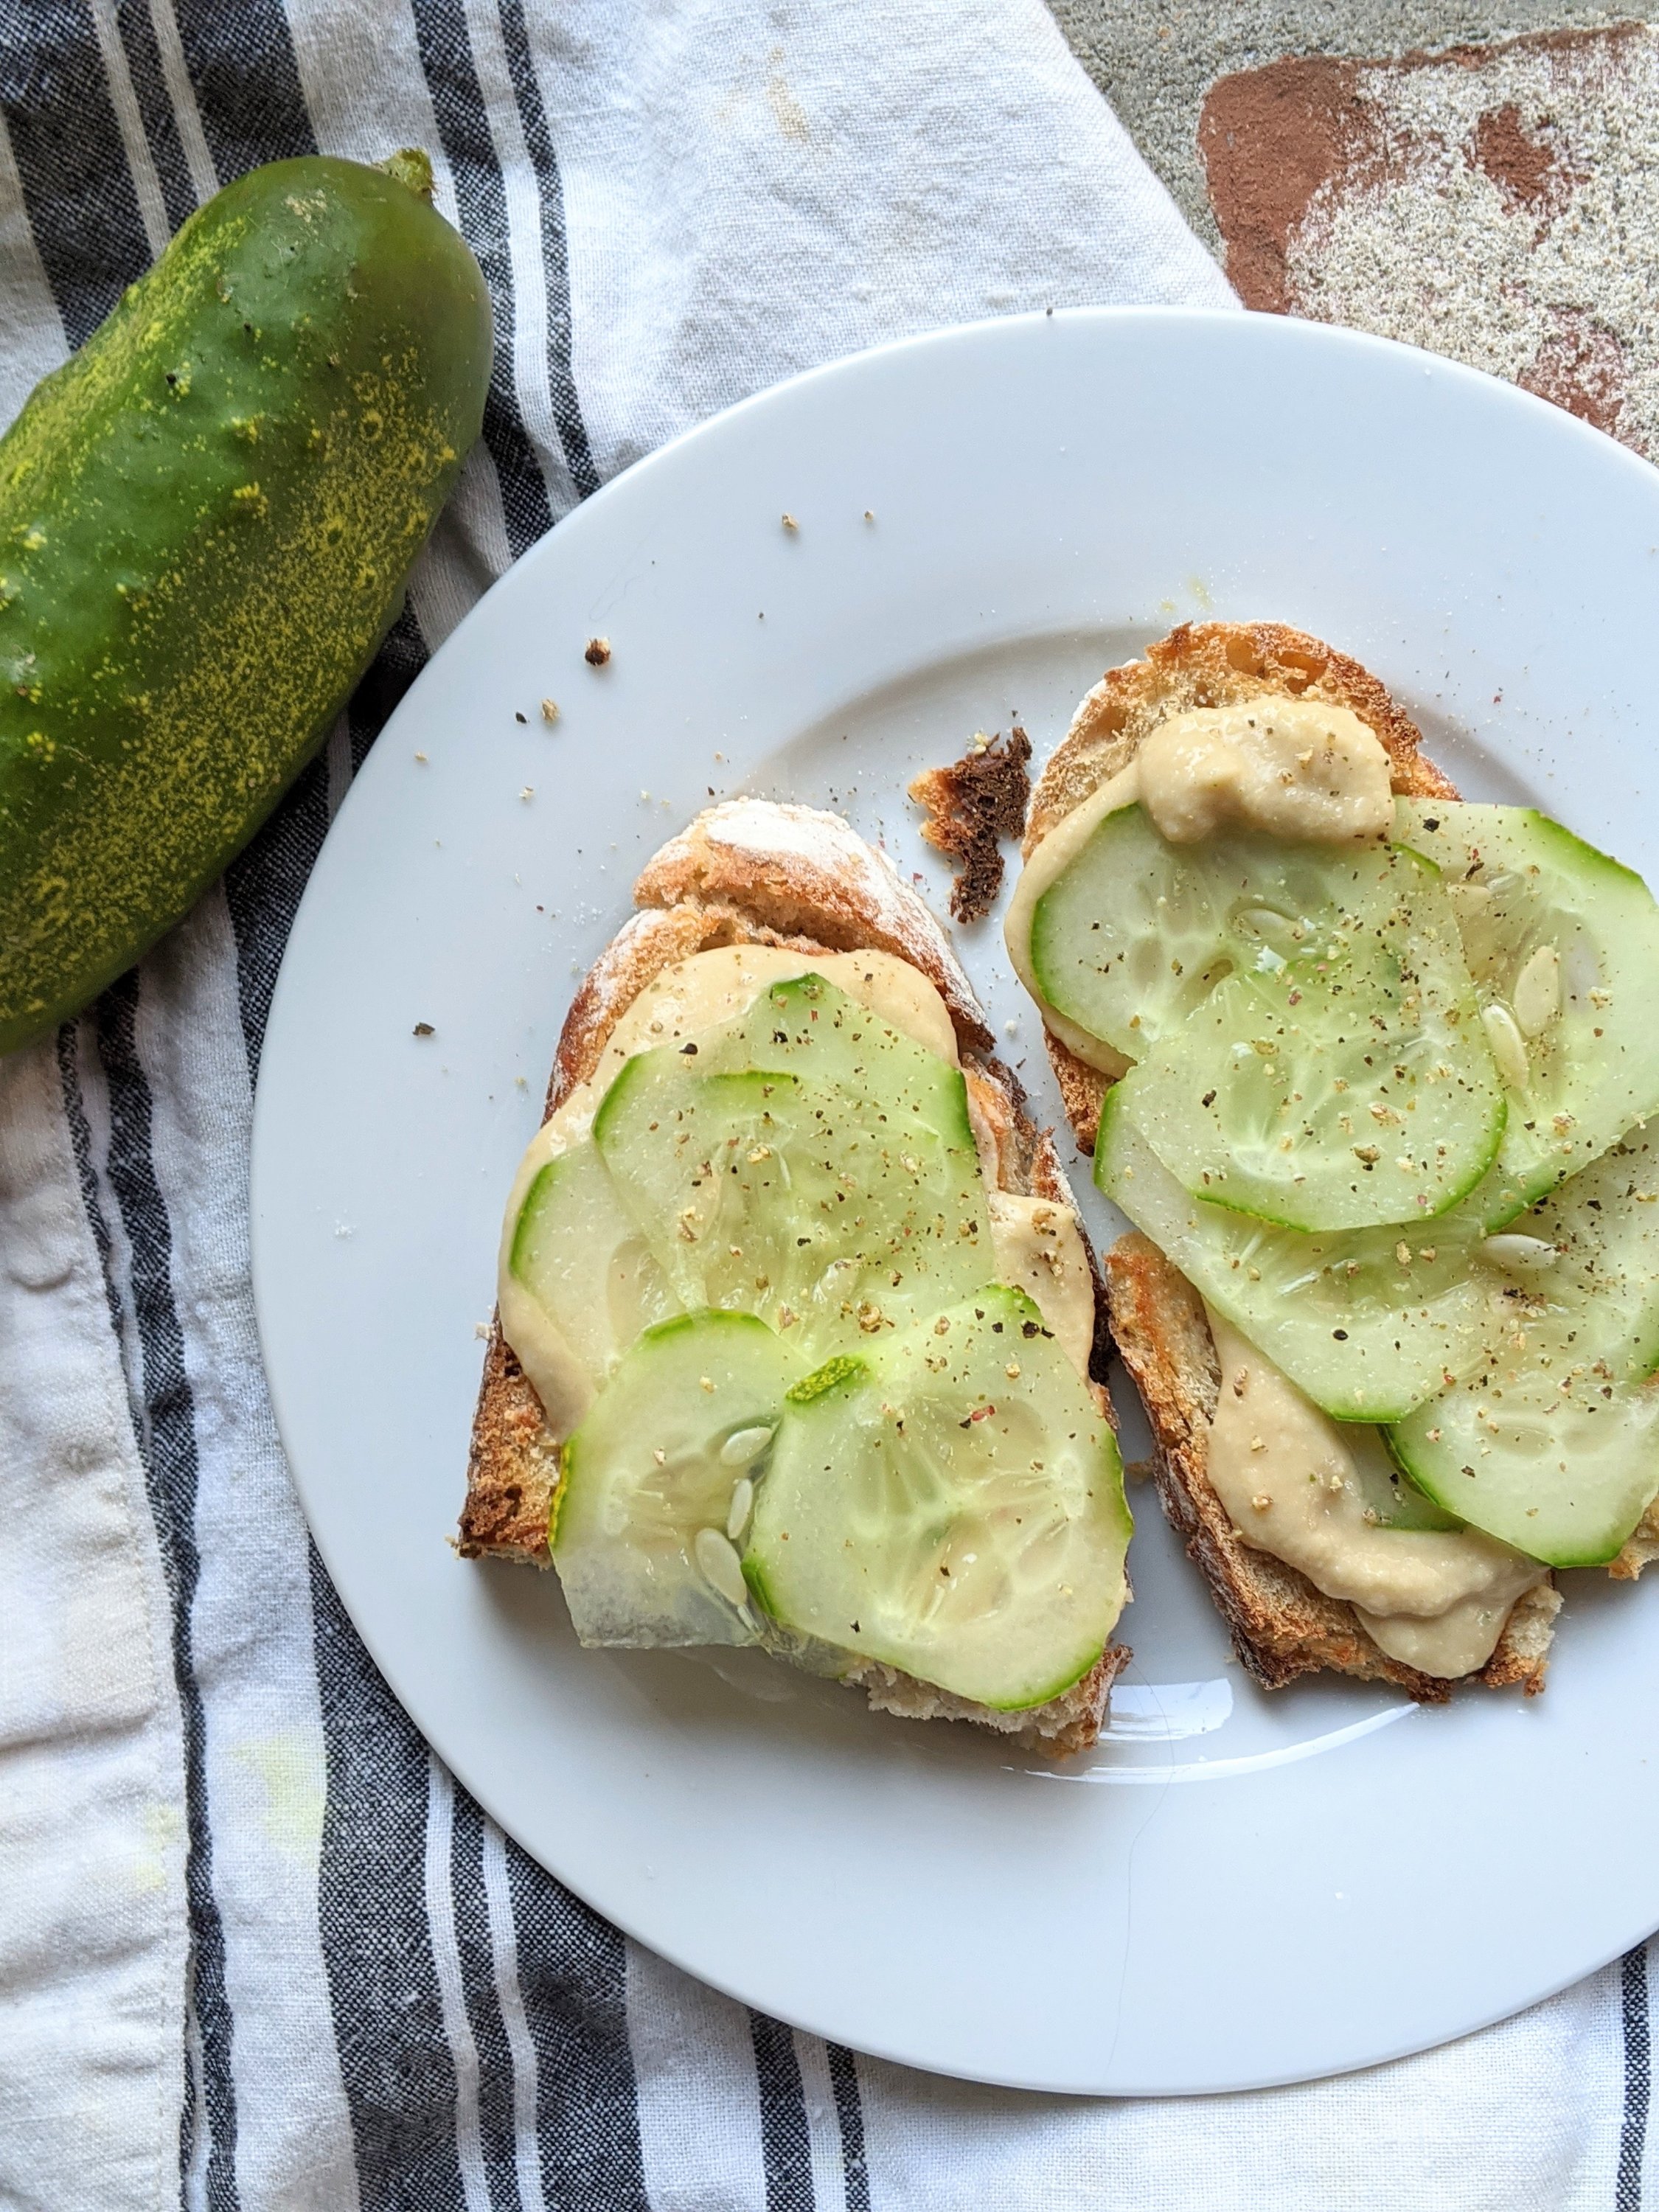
[1282, 1626]
[751, 871]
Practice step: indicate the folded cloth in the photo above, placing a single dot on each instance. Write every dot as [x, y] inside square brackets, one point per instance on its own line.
[258, 1948]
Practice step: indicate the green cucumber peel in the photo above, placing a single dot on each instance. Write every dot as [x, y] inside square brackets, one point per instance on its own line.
[846, 1367]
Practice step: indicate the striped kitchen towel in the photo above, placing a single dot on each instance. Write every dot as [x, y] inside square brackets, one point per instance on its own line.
[257, 1948]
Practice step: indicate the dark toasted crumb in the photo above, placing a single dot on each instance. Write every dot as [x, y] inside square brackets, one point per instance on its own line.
[971, 805]
[424, 1028]
[598, 653]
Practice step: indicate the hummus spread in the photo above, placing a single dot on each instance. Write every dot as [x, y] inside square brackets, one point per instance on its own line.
[1295, 768]
[1297, 1484]
[1039, 1249]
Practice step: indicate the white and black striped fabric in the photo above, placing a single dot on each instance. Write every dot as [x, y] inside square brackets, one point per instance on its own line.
[259, 1952]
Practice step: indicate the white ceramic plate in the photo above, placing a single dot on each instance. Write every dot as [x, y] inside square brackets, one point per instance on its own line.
[1234, 1889]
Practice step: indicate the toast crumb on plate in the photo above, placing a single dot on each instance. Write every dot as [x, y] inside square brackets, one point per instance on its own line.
[972, 805]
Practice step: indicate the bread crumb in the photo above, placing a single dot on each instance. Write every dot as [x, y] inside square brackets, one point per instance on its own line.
[973, 806]
[790, 523]
[529, 792]
[598, 652]
[549, 710]
[421, 758]
[424, 1028]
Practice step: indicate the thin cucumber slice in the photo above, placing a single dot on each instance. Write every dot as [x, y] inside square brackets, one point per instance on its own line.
[581, 1282]
[951, 1503]
[1133, 935]
[1550, 1441]
[830, 1211]
[1542, 1449]
[1387, 1491]
[641, 1518]
[1340, 1093]
[1564, 943]
[808, 1027]
[1365, 1332]
[1592, 1249]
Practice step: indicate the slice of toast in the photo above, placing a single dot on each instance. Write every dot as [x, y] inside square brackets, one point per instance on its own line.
[751, 871]
[1281, 1626]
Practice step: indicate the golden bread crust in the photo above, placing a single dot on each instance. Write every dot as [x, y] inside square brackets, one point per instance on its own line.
[802, 872]
[1281, 1626]
[1641, 1548]
[513, 1465]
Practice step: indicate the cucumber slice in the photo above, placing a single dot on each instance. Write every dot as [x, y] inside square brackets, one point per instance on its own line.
[1565, 942]
[1363, 1333]
[1133, 935]
[1540, 1447]
[949, 1503]
[641, 1517]
[1387, 1490]
[1364, 1097]
[1302, 1015]
[579, 1283]
[808, 1027]
[825, 1210]
[1550, 1441]
[1592, 1249]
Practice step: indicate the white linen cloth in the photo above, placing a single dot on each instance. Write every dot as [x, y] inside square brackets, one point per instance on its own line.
[257, 1948]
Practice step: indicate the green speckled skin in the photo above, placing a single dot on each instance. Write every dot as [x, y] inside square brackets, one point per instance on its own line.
[206, 520]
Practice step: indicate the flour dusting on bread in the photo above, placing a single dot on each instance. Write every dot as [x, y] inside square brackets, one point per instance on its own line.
[797, 869]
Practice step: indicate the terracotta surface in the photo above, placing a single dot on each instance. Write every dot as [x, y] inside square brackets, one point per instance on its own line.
[1497, 203]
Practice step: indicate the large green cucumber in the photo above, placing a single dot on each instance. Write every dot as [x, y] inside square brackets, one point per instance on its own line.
[206, 520]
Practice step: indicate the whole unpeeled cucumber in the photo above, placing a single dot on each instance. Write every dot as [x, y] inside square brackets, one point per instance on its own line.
[206, 520]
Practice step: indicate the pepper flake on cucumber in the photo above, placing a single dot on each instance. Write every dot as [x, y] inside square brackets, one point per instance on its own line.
[207, 518]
